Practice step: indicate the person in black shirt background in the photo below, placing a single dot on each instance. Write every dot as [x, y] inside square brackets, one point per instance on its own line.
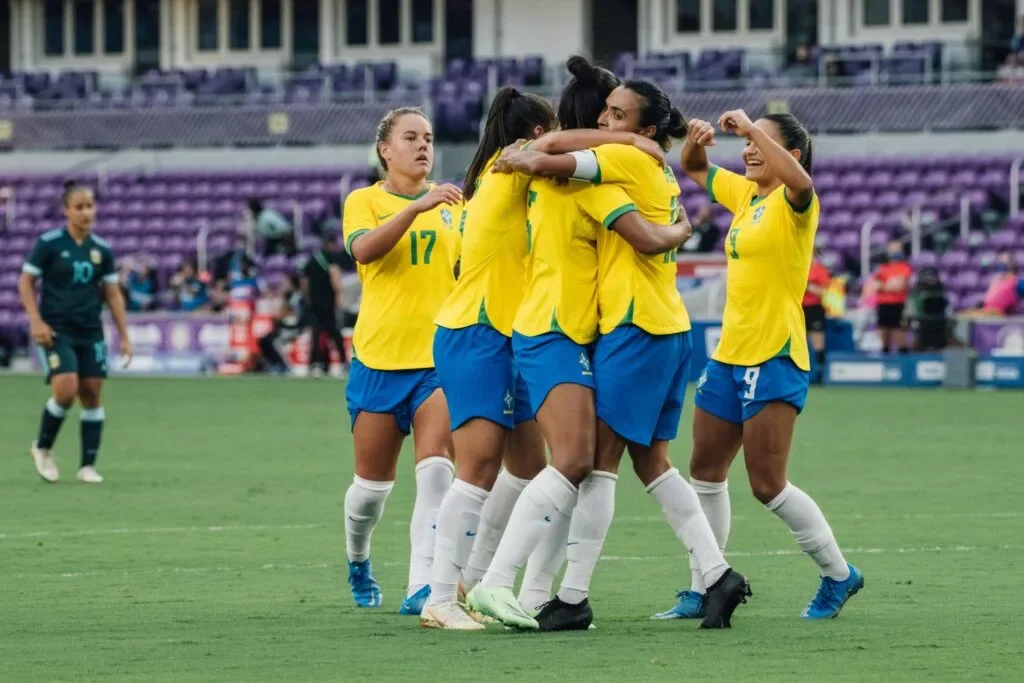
[705, 233]
[322, 292]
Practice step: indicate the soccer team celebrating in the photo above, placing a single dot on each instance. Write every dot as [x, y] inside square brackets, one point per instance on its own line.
[536, 312]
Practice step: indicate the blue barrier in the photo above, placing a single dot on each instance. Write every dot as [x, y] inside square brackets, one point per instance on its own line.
[918, 370]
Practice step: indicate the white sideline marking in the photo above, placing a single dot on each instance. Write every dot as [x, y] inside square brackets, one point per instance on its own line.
[157, 530]
[606, 558]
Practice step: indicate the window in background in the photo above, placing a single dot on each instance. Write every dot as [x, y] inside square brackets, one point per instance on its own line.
[688, 16]
[723, 15]
[915, 11]
[876, 12]
[954, 10]
[423, 21]
[761, 15]
[207, 35]
[389, 22]
[356, 18]
[270, 24]
[113, 26]
[85, 26]
[53, 27]
[238, 24]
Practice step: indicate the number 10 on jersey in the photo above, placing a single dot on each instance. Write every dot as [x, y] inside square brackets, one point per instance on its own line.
[426, 239]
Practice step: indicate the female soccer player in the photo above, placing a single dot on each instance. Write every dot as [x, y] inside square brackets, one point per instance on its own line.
[643, 352]
[555, 324]
[756, 382]
[405, 241]
[79, 274]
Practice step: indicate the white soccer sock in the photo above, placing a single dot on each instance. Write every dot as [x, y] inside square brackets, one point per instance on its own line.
[811, 531]
[549, 495]
[457, 521]
[590, 523]
[682, 510]
[493, 520]
[717, 507]
[544, 563]
[433, 479]
[364, 503]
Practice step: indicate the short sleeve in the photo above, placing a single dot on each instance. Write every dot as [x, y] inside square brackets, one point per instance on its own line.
[37, 259]
[108, 266]
[358, 218]
[728, 189]
[605, 203]
[618, 163]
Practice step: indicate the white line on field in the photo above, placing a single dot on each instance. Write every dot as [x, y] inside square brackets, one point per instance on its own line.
[157, 530]
[606, 558]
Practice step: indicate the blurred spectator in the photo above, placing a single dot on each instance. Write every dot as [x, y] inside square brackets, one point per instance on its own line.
[930, 305]
[802, 70]
[1017, 42]
[1006, 288]
[277, 233]
[814, 315]
[323, 292]
[865, 315]
[140, 288]
[705, 232]
[893, 278]
[189, 290]
[224, 266]
[288, 324]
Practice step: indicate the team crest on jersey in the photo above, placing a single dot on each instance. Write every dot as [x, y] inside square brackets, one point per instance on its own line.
[95, 256]
[446, 216]
[758, 212]
[54, 361]
[585, 364]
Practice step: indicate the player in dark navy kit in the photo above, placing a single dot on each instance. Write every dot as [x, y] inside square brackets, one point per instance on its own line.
[78, 274]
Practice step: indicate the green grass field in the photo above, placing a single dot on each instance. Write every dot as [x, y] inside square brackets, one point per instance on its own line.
[215, 551]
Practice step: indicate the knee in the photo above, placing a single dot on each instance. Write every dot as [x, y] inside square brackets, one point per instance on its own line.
[703, 471]
[766, 487]
[650, 465]
[89, 398]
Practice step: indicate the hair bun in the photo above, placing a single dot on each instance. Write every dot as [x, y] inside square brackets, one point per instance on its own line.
[677, 125]
[68, 184]
[583, 70]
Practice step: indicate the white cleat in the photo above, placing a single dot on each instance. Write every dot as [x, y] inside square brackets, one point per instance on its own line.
[89, 475]
[450, 616]
[45, 464]
[477, 616]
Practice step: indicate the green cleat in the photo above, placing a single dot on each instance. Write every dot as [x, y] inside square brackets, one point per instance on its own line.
[500, 604]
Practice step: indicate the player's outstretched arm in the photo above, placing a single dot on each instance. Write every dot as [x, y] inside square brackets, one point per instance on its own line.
[375, 244]
[565, 141]
[650, 238]
[799, 186]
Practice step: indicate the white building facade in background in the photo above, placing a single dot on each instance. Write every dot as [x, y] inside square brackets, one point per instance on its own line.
[133, 36]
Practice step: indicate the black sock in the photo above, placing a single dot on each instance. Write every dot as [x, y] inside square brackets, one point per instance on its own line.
[821, 359]
[49, 426]
[92, 431]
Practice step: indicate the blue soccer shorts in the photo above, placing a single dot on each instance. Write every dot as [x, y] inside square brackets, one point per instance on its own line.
[735, 393]
[550, 359]
[395, 392]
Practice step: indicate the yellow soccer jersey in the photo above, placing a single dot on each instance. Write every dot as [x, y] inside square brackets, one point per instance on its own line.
[561, 234]
[769, 248]
[403, 291]
[493, 271]
[634, 288]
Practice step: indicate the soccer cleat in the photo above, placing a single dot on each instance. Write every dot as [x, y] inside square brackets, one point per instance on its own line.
[832, 595]
[722, 599]
[45, 464]
[500, 604]
[413, 604]
[562, 616]
[450, 616]
[365, 589]
[89, 475]
[690, 606]
[461, 599]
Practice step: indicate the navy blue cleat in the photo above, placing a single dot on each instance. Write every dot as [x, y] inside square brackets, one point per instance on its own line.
[832, 595]
[365, 589]
[690, 606]
[413, 605]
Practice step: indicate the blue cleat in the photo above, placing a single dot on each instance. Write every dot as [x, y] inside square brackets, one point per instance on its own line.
[413, 605]
[832, 595]
[690, 606]
[365, 589]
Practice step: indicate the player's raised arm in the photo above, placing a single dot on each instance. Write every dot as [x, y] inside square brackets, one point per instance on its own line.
[694, 157]
[565, 141]
[366, 246]
[791, 166]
